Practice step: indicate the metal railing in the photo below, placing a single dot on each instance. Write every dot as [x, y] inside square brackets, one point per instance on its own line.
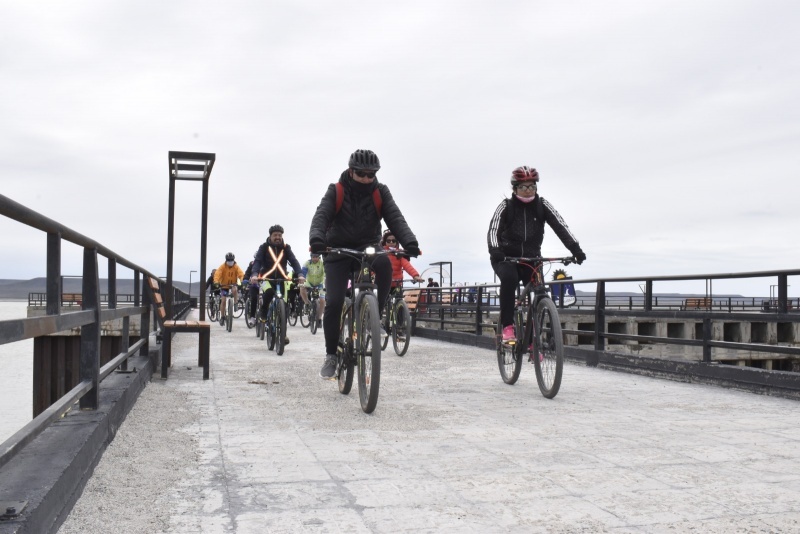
[89, 318]
[468, 311]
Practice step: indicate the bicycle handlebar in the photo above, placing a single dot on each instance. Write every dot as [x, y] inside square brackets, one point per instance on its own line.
[565, 261]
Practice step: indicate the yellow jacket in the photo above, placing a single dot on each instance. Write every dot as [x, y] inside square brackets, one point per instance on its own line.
[228, 276]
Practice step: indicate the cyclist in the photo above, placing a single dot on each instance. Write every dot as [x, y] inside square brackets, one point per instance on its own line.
[210, 284]
[271, 261]
[399, 263]
[229, 273]
[314, 272]
[517, 229]
[354, 221]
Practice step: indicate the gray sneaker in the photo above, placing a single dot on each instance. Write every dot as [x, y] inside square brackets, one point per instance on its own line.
[329, 368]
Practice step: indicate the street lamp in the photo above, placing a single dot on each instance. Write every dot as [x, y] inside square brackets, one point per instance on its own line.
[190, 283]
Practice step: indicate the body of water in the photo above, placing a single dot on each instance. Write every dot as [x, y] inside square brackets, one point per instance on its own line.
[16, 384]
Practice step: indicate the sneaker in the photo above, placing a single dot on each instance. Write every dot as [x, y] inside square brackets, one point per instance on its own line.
[319, 323]
[508, 333]
[222, 321]
[384, 331]
[251, 321]
[329, 367]
[286, 341]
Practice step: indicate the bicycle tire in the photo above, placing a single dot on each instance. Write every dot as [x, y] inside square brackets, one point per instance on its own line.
[548, 342]
[247, 315]
[312, 318]
[229, 315]
[344, 371]
[401, 329]
[269, 326]
[292, 314]
[509, 357]
[210, 308]
[389, 320]
[280, 327]
[368, 351]
[239, 308]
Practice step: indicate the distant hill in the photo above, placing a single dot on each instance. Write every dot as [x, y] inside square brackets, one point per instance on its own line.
[19, 289]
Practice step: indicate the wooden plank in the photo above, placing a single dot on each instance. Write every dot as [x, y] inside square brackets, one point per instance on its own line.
[153, 283]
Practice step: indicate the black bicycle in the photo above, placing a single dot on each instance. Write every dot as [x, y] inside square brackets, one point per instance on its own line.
[360, 332]
[294, 306]
[538, 331]
[308, 315]
[273, 326]
[397, 319]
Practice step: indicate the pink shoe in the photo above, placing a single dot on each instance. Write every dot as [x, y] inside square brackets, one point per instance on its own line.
[508, 333]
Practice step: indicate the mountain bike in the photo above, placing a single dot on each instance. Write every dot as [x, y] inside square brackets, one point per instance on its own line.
[538, 331]
[397, 319]
[294, 306]
[360, 332]
[308, 315]
[213, 306]
[274, 324]
[225, 292]
[241, 302]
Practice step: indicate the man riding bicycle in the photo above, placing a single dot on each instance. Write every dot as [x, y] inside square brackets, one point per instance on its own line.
[227, 274]
[349, 216]
[314, 272]
[270, 262]
[517, 229]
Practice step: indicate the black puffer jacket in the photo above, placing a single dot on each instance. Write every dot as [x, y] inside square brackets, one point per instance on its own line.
[357, 224]
[521, 235]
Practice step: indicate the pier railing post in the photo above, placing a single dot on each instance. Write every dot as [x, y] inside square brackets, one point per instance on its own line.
[599, 324]
[707, 333]
[53, 273]
[90, 333]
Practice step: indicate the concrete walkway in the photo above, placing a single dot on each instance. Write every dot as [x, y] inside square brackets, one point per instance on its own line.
[268, 446]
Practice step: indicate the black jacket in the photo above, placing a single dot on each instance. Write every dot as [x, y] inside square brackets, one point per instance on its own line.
[263, 262]
[357, 225]
[522, 233]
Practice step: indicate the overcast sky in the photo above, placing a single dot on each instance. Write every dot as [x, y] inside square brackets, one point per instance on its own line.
[666, 133]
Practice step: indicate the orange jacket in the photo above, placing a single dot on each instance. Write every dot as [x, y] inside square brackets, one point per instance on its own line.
[228, 276]
[400, 264]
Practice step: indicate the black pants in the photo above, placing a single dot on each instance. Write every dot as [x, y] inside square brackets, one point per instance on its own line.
[337, 272]
[266, 298]
[510, 275]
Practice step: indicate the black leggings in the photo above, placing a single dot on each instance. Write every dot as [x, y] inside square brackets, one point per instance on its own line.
[337, 271]
[510, 275]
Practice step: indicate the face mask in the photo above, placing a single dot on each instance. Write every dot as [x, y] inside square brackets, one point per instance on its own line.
[229, 263]
[526, 200]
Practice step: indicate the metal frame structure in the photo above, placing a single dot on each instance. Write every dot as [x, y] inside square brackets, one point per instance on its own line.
[191, 166]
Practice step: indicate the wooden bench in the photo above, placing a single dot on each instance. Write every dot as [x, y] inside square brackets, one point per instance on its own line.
[169, 327]
[68, 299]
[697, 304]
[411, 296]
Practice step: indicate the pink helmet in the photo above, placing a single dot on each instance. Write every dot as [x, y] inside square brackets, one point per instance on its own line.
[524, 174]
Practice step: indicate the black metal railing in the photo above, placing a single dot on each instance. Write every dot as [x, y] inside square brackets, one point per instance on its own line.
[89, 317]
[468, 311]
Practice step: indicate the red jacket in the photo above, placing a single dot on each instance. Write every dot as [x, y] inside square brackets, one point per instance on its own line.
[399, 264]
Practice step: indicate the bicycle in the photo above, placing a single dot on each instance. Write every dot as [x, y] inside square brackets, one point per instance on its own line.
[273, 326]
[360, 332]
[225, 292]
[397, 319]
[538, 332]
[213, 306]
[308, 316]
[295, 307]
[241, 302]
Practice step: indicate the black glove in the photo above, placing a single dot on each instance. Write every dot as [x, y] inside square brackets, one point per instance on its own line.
[497, 256]
[580, 255]
[412, 249]
[318, 247]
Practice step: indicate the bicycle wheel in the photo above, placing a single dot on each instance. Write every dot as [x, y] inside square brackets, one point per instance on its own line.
[293, 311]
[247, 315]
[269, 326]
[210, 308]
[548, 348]
[229, 316]
[401, 329]
[312, 317]
[239, 310]
[344, 371]
[281, 311]
[509, 355]
[304, 319]
[388, 321]
[368, 351]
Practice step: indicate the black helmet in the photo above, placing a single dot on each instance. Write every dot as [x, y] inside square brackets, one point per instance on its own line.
[229, 256]
[364, 160]
[275, 228]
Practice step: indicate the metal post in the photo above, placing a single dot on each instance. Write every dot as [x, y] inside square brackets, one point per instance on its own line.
[90, 333]
[170, 243]
[479, 312]
[599, 324]
[707, 333]
[54, 282]
[783, 293]
[112, 284]
[203, 240]
[648, 295]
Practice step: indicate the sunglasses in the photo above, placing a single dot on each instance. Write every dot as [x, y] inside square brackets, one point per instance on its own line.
[364, 174]
[527, 187]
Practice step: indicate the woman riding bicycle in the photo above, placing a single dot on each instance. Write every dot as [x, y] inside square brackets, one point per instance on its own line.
[399, 263]
[517, 230]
